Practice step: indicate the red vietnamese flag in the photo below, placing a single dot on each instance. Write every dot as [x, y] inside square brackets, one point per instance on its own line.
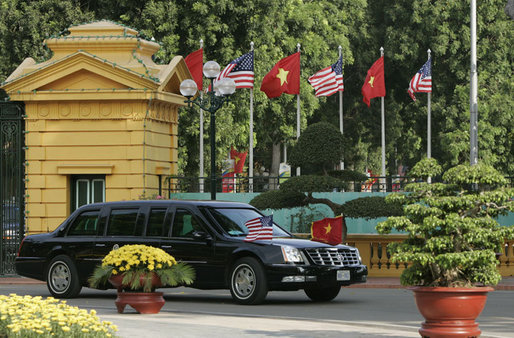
[374, 85]
[194, 62]
[283, 78]
[328, 230]
[239, 160]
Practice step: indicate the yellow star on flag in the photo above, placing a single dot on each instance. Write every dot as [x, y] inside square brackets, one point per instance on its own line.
[371, 80]
[328, 228]
[236, 159]
[282, 75]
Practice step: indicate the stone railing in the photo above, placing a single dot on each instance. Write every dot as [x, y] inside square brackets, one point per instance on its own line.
[373, 250]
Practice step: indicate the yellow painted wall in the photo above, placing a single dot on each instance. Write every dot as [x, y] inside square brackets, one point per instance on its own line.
[100, 105]
[131, 151]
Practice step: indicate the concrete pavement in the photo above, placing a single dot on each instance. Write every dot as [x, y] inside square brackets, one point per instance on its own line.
[177, 322]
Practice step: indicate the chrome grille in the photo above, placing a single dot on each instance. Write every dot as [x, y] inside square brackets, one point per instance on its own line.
[329, 256]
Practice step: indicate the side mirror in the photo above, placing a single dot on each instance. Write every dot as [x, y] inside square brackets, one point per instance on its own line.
[201, 235]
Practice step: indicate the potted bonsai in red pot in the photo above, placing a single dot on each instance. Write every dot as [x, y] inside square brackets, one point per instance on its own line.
[452, 244]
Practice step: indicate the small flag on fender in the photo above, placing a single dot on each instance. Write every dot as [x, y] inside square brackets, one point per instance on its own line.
[328, 230]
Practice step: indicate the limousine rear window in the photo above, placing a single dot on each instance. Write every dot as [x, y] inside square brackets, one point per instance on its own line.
[233, 220]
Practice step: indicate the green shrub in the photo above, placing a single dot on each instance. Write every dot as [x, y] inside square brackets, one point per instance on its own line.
[313, 183]
[371, 207]
[453, 236]
[348, 175]
[278, 199]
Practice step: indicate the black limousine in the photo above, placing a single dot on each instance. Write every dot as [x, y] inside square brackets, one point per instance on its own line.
[208, 235]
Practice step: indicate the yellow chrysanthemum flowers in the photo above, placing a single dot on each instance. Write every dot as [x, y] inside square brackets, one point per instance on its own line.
[138, 256]
[26, 316]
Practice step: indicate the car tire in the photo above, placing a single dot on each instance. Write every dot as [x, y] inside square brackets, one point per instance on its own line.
[322, 294]
[62, 278]
[248, 283]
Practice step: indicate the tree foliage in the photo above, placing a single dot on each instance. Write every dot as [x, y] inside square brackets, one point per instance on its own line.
[453, 236]
[361, 27]
[319, 148]
[371, 207]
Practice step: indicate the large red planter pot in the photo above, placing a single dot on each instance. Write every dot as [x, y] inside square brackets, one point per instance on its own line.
[142, 302]
[450, 312]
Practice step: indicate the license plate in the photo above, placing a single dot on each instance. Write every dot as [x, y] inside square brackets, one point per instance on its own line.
[343, 274]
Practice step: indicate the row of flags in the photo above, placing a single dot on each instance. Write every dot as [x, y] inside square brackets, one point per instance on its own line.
[284, 77]
[328, 230]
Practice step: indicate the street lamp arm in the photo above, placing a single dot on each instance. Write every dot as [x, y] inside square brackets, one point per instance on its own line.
[211, 103]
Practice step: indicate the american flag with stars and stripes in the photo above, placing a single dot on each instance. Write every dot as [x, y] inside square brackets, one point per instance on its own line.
[422, 81]
[240, 70]
[259, 228]
[328, 80]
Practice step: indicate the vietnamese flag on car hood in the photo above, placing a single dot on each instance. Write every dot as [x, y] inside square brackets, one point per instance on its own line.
[328, 230]
[283, 78]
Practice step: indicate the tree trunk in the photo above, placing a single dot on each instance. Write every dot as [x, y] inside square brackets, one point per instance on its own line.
[275, 166]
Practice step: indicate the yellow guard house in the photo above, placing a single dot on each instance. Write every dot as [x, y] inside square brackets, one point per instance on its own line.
[101, 121]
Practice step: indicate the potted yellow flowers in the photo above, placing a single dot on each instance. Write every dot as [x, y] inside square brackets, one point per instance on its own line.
[136, 271]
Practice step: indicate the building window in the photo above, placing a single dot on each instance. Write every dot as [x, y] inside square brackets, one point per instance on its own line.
[87, 189]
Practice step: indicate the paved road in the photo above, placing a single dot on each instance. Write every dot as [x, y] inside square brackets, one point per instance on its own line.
[354, 313]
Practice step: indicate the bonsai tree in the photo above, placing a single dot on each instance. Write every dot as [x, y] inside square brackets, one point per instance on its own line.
[319, 149]
[453, 237]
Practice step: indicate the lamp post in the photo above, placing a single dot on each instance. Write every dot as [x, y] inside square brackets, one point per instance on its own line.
[216, 96]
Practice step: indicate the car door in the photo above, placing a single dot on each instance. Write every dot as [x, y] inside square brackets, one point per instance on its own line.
[123, 225]
[78, 240]
[190, 242]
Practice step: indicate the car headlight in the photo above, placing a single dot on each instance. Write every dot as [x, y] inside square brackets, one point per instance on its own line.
[359, 255]
[291, 254]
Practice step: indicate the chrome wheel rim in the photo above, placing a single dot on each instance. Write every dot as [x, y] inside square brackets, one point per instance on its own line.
[243, 281]
[60, 277]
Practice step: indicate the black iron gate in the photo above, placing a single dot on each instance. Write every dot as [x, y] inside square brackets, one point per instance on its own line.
[12, 189]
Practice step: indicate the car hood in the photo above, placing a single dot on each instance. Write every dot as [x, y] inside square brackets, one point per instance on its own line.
[304, 243]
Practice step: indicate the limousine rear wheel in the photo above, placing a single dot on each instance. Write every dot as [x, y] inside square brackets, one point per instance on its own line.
[62, 278]
[248, 284]
[323, 294]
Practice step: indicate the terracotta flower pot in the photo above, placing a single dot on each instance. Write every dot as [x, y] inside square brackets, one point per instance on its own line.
[142, 302]
[450, 312]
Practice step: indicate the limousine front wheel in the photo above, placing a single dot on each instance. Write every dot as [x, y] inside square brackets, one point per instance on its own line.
[62, 278]
[248, 284]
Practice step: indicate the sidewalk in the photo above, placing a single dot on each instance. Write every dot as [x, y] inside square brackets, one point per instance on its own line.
[507, 283]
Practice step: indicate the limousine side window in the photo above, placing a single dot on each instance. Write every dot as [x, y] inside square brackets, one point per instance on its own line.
[184, 224]
[156, 222]
[86, 224]
[122, 222]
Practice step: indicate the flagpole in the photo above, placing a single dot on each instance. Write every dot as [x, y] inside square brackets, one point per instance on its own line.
[341, 108]
[473, 87]
[298, 116]
[429, 128]
[383, 135]
[250, 164]
[201, 135]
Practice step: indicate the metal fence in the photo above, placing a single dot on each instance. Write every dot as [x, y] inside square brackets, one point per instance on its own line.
[181, 184]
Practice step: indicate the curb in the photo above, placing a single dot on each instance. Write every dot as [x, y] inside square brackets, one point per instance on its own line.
[372, 283]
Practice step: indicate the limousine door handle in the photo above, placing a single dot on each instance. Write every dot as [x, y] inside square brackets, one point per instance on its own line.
[100, 245]
[166, 246]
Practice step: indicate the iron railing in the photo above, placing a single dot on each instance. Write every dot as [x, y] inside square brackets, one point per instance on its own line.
[181, 184]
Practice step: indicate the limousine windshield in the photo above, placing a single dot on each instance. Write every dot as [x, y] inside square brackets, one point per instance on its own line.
[233, 220]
